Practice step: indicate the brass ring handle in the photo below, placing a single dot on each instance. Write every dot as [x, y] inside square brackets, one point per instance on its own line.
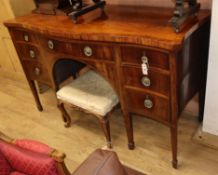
[26, 38]
[146, 81]
[37, 71]
[50, 44]
[32, 54]
[87, 51]
[148, 103]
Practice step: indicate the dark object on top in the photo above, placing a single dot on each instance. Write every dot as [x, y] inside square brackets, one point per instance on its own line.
[73, 8]
[184, 13]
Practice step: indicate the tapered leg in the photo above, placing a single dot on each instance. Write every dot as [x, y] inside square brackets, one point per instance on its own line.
[35, 94]
[173, 130]
[105, 124]
[65, 115]
[129, 130]
[201, 104]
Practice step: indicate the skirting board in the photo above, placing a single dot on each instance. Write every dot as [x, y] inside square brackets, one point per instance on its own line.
[206, 138]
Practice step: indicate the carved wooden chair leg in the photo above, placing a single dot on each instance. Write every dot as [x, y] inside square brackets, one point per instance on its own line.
[65, 115]
[105, 124]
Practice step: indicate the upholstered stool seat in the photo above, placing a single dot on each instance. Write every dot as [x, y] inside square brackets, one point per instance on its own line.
[92, 94]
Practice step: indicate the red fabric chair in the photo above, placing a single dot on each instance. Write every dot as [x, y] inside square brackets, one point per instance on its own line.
[27, 157]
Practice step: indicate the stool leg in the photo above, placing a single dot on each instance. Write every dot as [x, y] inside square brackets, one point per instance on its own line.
[65, 115]
[106, 128]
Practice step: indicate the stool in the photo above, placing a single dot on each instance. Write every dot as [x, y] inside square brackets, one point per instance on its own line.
[89, 93]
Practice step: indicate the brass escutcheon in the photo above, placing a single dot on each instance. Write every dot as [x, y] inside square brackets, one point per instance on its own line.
[87, 51]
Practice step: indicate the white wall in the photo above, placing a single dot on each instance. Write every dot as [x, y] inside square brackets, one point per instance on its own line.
[161, 3]
[210, 123]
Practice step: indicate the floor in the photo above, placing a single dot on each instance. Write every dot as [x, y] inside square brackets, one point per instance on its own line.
[19, 118]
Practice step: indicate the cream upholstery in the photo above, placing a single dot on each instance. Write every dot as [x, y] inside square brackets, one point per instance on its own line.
[91, 92]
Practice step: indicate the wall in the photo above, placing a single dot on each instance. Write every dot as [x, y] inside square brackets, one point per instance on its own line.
[9, 62]
[161, 3]
[210, 123]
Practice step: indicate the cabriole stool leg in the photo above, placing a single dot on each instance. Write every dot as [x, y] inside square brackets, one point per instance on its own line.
[65, 115]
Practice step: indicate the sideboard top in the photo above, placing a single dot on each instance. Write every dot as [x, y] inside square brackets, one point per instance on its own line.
[124, 24]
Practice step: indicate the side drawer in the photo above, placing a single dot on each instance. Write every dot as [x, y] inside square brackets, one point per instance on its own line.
[21, 35]
[27, 51]
[155, 81]
[80, 50]
[133, 55]
[147, 104]
[36, 71]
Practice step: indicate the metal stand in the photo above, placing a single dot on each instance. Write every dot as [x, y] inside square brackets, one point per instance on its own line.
[84, 10]
[184, 13]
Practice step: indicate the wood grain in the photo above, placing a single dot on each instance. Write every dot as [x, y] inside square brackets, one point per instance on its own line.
[9, 9]
[147, 26]
[206, 4]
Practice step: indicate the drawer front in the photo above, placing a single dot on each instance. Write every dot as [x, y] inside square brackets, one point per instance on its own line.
[80, 50]
[28, 52]
[36, 71]
[133, 55]
[20, 35]
[155, 81]
[147, 104]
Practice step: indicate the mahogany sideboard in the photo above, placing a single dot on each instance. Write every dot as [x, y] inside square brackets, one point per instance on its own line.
[115, 46]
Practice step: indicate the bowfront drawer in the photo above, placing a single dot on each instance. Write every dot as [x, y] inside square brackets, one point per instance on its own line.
[80, 50]
[155, 81]
[134, 55]
[36, 71]
[20, 35]
[147, 104]
[27, 51]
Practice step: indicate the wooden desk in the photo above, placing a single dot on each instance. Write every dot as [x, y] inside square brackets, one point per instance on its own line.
[177, 62]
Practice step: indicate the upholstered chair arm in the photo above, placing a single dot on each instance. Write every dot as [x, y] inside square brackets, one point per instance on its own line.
[33, 156]
[28, 162]
[59, 158]
[39, 147]
[34, 146]
[58, 155]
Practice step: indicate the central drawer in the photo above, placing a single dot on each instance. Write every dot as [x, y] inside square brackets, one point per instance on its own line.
[147, 104]
[85, 50]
